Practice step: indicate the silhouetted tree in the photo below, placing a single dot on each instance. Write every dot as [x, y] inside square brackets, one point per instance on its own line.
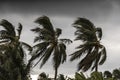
[12, 53]
[94, 52]
[49, 43]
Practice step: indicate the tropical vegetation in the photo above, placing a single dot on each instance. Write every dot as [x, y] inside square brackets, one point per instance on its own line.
[12, 53]
[48, 44]
[94, 51]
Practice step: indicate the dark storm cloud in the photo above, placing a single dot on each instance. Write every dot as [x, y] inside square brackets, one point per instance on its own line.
[52, 7]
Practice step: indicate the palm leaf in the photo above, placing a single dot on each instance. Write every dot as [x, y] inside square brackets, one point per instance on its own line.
[58, 32]
[41, 31]
[56, 57]
[4, 35]
[40, 46]
[37, 39]
[27, 46]
[103, 59]
[47, 54]
[98, 57]
[80, 76]
[8, 27]
[66, 41]
[19, 29]
[99, 31]
[63, 52]
[84, 23]
[43, 34]
[87, 61]
[45, 22]
[35, 56]
[77, 54]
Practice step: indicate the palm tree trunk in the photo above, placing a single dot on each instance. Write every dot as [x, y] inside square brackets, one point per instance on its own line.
[56, 71]
[96, 68]
[96, 62]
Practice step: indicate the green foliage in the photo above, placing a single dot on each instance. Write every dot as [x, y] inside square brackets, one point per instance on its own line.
[49, 44]
[80, 76]
[94, 51]
[93, 76]
[12, 53]
[96, 76]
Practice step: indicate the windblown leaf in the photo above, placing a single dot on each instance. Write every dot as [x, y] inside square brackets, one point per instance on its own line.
[45, 22]
[47, 54]
[19, 29]
[103, 59]
[99, 31]
[8, 27]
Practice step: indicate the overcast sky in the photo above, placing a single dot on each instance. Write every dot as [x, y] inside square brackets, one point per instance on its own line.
[62, 13]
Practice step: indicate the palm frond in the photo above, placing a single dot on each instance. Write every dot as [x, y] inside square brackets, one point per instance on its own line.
[35, 56]
[8, 27]
[41, 45]
[85, 67]
[37, 39]
[98, 57]
[99, 32]
[56, 57]
[42, 56]
[43, 34]
[19, 29]
[4, 35]
[36, 30]
[47, 53]
[104, 56]
[27, 46]
[68, 41]
[58, 32]
[76, 55]
[20, 51]
[87, 61]
[46, 23]
[3, 32]
[84, 34]
[84, 23]
[63, 52]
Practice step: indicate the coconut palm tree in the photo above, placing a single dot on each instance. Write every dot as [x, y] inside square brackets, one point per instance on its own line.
[92, 49]
[49, 44]
[12, 51]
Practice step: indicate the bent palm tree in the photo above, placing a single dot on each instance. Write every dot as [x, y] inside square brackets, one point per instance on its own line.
[49, 43]
[13, 53]
[94, 51]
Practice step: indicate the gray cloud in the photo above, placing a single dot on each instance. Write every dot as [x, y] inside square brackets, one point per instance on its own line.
[68, 8]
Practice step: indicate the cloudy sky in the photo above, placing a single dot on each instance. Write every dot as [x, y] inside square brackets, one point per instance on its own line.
[62, 13]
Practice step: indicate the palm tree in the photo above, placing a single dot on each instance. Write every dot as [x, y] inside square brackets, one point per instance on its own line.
[49, 43]
[94, 52]
[12, 51]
